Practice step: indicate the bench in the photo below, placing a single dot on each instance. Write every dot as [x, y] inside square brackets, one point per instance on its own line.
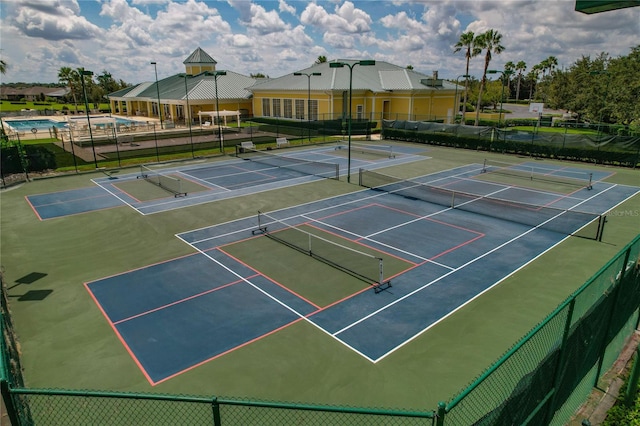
[247, 145]
[122, 139]
[281, 142]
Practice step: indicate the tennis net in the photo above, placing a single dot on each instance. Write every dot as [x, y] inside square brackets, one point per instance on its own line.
[364, 266]
[307, 167]
[568, 222]
[169, 183]
[380, 150]
[530, 171]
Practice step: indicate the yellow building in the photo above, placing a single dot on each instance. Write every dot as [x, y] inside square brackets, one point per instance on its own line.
[379, 90]
[195, 95]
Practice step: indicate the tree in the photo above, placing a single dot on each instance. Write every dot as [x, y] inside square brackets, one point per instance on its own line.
[70, 77]
[489, 41]
[3, 67]
[257, 75]
[467, 42]
[321, 59]
[409, 67]
[521, 66]
[533, 77]
[509, 67]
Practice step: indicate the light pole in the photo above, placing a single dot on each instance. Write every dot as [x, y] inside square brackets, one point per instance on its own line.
[158, 91]
[187, 113]
[507, 73]
[86, 107]
[308, 96]
[364, 63]
[455, 99]
[215, 75]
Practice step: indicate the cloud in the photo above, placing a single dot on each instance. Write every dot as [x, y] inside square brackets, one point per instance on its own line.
[346, 20]
[284, 7]
[54, 21]
[258, 19]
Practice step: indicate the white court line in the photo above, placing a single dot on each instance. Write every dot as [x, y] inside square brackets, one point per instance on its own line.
[275, 299]
[389, 246]
[372, 314]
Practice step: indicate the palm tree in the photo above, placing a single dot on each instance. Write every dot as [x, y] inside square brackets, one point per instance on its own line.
[468, 42]
[508, 68]
[521, 66]
[70, 77]
[533, 76]
[490, 41]
[321, 59]
[3, 67]
[552, 63]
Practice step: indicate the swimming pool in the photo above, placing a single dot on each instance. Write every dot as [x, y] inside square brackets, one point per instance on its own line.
[43, 124]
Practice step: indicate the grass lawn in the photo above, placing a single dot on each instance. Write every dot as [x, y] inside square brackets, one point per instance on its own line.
[8, 106]
[555, 130]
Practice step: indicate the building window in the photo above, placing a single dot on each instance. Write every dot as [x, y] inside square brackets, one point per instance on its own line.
[276, 108]
[313, 113]
[288, 109]
[299, 109]
[359, 111]
[266, 107]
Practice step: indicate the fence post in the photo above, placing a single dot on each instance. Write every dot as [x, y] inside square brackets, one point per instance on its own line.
[8, 402]
[215, 406]
[632, 386]
[561, 360]
[442, 411]
[615, 295]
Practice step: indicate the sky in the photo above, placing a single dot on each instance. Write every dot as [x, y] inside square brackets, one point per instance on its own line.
[277, 37]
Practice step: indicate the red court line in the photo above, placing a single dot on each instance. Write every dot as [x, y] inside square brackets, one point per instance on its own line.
[73, 200]
[268, 278]
[122, 340]
[457, 247]
[462, 228]
[226, 352]
[125, 192]
[144, 267]
[182, 300]
[35, 211]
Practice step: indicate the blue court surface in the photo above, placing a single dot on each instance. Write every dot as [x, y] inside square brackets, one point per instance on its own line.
[179, 314]
[214, 181]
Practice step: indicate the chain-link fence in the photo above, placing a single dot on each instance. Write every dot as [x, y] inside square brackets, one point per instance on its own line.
[542, 379]
[598, 148]
[546, 376]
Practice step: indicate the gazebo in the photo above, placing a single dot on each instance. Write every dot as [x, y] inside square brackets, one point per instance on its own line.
[222, 114]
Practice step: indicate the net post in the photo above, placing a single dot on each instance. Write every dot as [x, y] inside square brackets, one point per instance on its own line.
[590, 185]
[261, 229]
[453, 199]
[602, 219]
[484, 166]
[360, 176]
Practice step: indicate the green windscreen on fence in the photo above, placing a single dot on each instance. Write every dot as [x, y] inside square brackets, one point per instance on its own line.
[542, 379]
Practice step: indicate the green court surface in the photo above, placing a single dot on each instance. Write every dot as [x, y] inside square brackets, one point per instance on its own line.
[67, 344]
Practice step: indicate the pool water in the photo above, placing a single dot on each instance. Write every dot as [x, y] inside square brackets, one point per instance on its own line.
[44, 124]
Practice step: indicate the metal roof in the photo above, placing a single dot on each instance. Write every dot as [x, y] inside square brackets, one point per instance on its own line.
[199, 56]
[381, 77]
[232, 86]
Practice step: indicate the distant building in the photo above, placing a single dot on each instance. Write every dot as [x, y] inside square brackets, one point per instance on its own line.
[195, 88]
[381, 90]
[31, 93]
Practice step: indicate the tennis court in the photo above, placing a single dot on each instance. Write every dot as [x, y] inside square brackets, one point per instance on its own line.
[158, 188]
[372, 270]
